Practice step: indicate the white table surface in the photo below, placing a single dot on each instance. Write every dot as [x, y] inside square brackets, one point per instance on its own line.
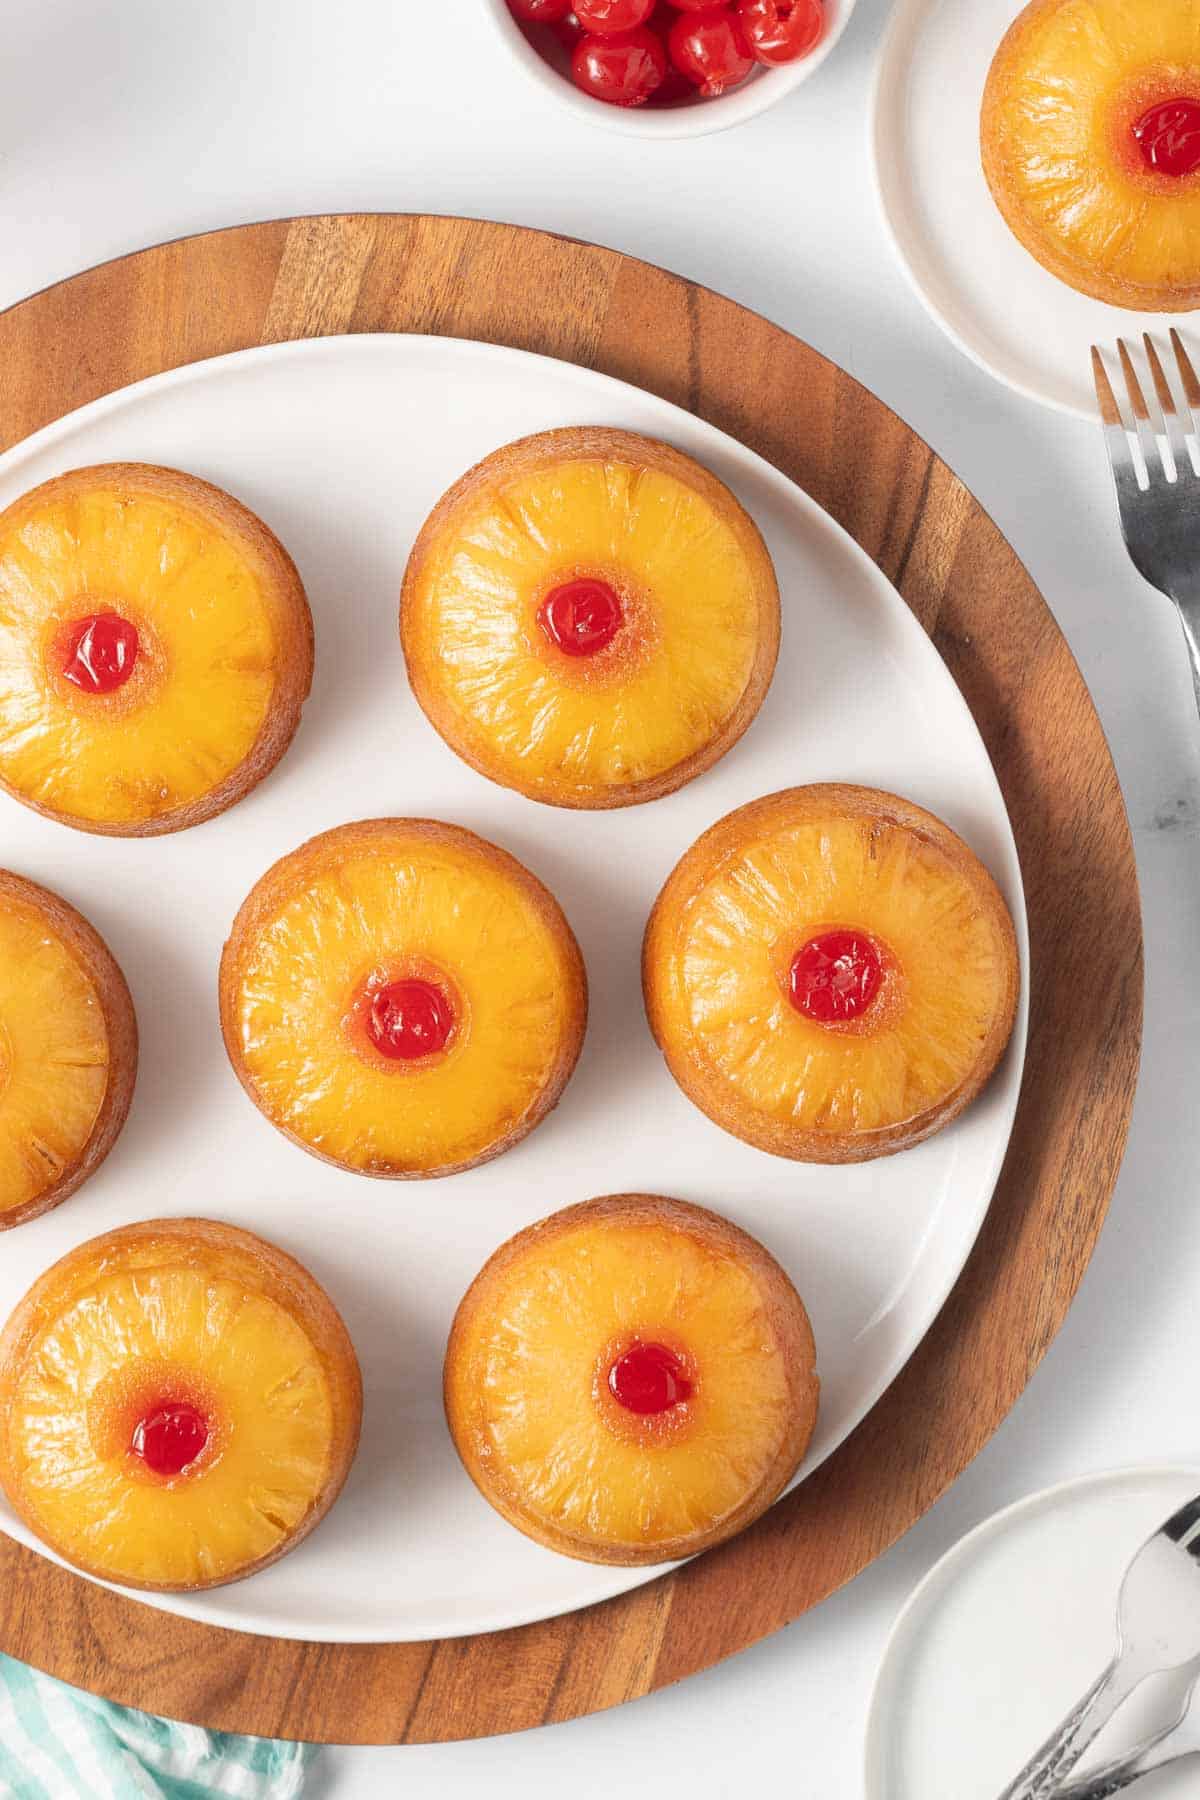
[124, 124]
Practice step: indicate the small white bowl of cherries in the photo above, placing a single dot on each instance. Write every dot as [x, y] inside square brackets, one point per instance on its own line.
[670, 68]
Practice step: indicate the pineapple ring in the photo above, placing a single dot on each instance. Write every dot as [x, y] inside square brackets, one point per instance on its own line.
[1070, 80]
[358, 911]
[687, 581]
[737, 912]
[527, 1380]
[222, 659]
[68, 1050]
[181, 1310]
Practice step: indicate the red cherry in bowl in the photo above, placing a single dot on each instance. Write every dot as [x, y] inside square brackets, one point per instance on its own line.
[539, 12]
[624, 70]
[606, 17]
[710, 48]
[781, 31]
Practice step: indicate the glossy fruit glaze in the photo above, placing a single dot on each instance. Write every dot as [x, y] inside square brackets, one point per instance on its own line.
[835, 976]
[54, 1055]
[170, 1438]
[99, 652]
[581, 617]
[1168, 136]
[649, 1379]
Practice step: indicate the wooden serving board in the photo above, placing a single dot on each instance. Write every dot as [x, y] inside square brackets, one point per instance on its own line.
[311, 277]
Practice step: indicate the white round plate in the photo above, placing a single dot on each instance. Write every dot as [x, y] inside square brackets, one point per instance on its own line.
[1007, 1631]
[343, 445]
[986, 292]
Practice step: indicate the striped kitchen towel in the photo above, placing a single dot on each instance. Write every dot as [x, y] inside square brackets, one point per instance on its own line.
[57, 1743]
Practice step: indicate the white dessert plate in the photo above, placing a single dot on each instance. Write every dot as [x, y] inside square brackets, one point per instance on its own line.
[987, 293]
[1007, 1631]
[343, 445]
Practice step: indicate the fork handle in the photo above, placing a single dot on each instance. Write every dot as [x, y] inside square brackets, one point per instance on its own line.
[1188, 602]
[1043, 1773]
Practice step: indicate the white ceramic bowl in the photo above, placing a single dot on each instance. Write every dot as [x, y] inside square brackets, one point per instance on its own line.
[694, 118]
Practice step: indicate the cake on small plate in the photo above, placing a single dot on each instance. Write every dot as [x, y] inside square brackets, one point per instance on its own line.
[590, 617]
[1091, 146]
[632, 1380]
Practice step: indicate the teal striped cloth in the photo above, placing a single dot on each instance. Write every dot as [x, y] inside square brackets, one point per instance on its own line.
[57, 1743]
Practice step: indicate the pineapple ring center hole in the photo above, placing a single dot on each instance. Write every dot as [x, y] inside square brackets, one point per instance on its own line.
[98, 652]
[649, 1379]
[1168, 136]
[836, 977]
[581, 617]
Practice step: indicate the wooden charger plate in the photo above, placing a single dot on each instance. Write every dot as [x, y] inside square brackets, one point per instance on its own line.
[311, 277]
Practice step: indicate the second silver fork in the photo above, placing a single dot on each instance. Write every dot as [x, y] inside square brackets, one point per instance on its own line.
[1160, 517]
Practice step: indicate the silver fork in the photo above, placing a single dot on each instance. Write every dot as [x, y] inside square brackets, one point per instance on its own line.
[1158, 1628]
[1160, 521]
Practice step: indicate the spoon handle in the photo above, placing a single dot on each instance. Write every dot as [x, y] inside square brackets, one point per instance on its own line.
[1049, 1766]
[1116, 1776]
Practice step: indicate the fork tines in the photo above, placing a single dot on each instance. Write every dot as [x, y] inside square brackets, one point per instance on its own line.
[1162, 418]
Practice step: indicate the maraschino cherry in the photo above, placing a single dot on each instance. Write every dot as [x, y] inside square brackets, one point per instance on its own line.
[835, 976]
[170, 1438]
[581, 617]
[648, 1378]
[1168, 136]
[409, 1019]
[99, 652]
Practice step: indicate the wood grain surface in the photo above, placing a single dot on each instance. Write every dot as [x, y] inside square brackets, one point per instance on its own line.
[314, 276]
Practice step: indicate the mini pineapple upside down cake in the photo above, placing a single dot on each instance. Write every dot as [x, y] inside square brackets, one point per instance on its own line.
[179, 1405]
[156, 649]
[831, 973]
[590, 617]
[1091, 146]
[68, 1050]
[402, 998]
[632, 1380]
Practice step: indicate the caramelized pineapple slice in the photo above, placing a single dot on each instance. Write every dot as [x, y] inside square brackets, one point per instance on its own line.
[178, 1405]
[68, 1050]
[590, 617]
[631, 1380]
[830, 973]
[155, 649]
[1088, 149]
[402, 998]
